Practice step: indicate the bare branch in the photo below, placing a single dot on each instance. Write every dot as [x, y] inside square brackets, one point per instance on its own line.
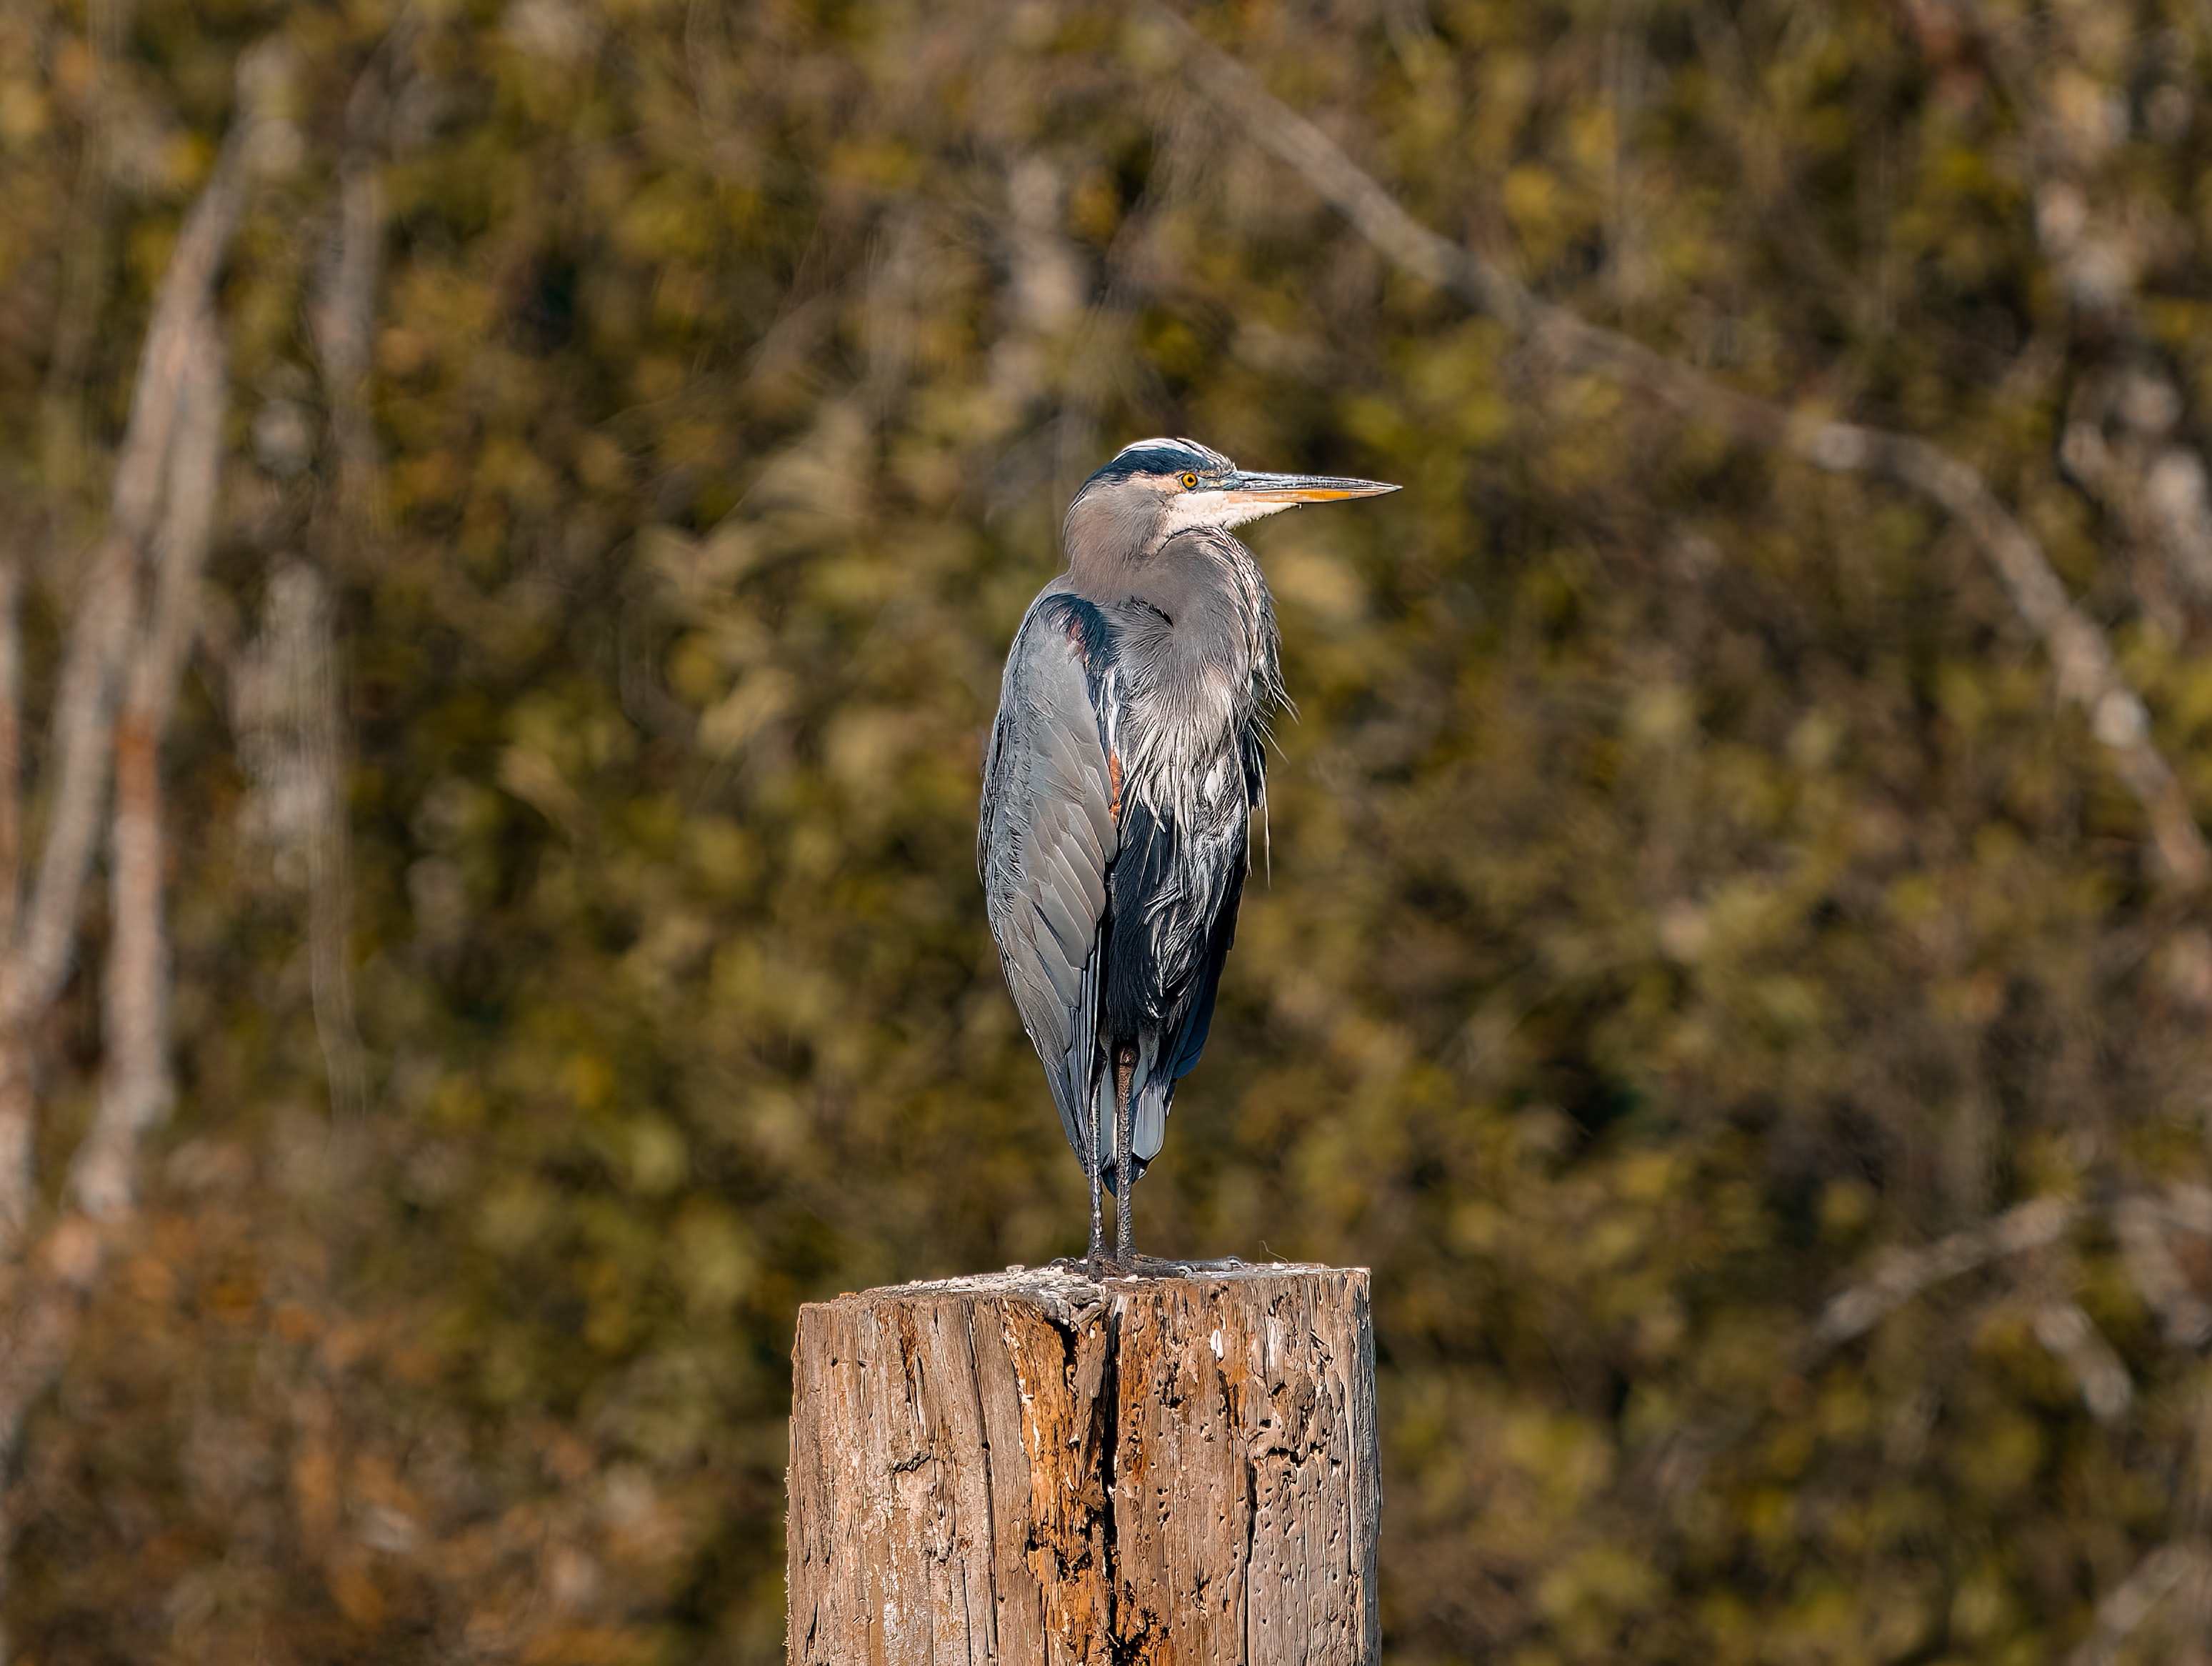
[2147, 476]
[330, 891]
[2087, 673]
[18, 1117]
[344, 317]
[1906, 1274]
[16, 1109]
[138, 1089]
[2129, 1603]
[2189, 1206]
[344, 312]
[83, 707]
[31, 972]
[284, 707]
[84, 702]
[170, 344]
[166, 487]
[2073, 1336]
[2141, 1223]
[169, 461]
[180, 550]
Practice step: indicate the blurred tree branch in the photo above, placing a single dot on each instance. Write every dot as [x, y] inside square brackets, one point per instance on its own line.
[133, 621]
[1906, 1274]
[2124, 442]
[138, 1090]
[286, 712]
[343, 313]
[350, 519]
[37, 952]
[2087, 673]
[2127, 1604]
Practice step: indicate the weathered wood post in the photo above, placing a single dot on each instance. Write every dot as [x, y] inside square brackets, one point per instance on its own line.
[1030, 1467]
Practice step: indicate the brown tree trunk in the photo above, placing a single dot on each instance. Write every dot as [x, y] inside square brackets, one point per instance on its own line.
[1032, 1467]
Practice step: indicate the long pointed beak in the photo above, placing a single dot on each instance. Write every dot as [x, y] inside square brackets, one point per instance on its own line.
[1286, 490]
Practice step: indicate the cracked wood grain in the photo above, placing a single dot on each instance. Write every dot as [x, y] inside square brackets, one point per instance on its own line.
[1033, 1467]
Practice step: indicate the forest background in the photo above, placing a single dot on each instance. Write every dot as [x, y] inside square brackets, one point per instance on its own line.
[510, 515]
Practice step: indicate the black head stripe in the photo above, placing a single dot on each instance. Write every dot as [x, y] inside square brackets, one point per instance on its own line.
[1163, 457]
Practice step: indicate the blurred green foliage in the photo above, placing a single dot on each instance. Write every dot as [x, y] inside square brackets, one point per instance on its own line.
[1682, 883]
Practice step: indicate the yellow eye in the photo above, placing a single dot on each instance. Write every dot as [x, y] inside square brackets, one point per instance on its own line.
[1190, 483]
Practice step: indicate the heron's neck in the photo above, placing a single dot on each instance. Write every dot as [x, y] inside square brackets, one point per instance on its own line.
[1111, 539]
[1205, 596]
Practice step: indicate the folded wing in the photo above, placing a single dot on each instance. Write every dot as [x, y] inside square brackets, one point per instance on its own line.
[1046, 840]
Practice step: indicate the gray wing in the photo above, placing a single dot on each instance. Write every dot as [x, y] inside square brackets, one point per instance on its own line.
[1046, 838]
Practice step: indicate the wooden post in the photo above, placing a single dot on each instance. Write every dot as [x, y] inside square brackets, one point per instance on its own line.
[1030, 1467]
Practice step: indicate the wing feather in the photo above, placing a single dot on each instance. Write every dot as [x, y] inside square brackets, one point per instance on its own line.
[1046, 841]
[1060, 902]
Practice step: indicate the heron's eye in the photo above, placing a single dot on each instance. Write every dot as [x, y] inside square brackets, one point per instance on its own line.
[1190, 483]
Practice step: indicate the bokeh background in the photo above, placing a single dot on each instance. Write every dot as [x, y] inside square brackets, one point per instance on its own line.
[1689, 899]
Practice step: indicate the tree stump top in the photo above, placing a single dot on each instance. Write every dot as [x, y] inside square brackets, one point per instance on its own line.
[1064, 1285]
[1035, 1465]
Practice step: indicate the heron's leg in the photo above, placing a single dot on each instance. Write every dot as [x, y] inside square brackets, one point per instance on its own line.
[1097, 1259]
[1125, 1133]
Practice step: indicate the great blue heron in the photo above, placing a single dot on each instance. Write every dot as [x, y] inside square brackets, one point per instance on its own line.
[1127, 758]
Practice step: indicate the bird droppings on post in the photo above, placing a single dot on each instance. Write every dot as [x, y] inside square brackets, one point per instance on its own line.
[1197, 1477]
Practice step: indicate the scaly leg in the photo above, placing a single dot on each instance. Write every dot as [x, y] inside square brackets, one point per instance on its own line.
[1125, 1131]
[1096, 1260]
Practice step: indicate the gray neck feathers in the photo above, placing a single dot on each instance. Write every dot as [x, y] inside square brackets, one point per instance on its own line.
[1201, 648]
[1111, 535]
[1196, 675]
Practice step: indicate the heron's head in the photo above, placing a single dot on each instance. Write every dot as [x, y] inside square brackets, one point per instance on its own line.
[1157, 487]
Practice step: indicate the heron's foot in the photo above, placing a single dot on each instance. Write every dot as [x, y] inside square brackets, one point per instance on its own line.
[1162, 1266]
[1158, 1267]
[1105, 1264]
[1100, 1266]
[1099, 1263]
